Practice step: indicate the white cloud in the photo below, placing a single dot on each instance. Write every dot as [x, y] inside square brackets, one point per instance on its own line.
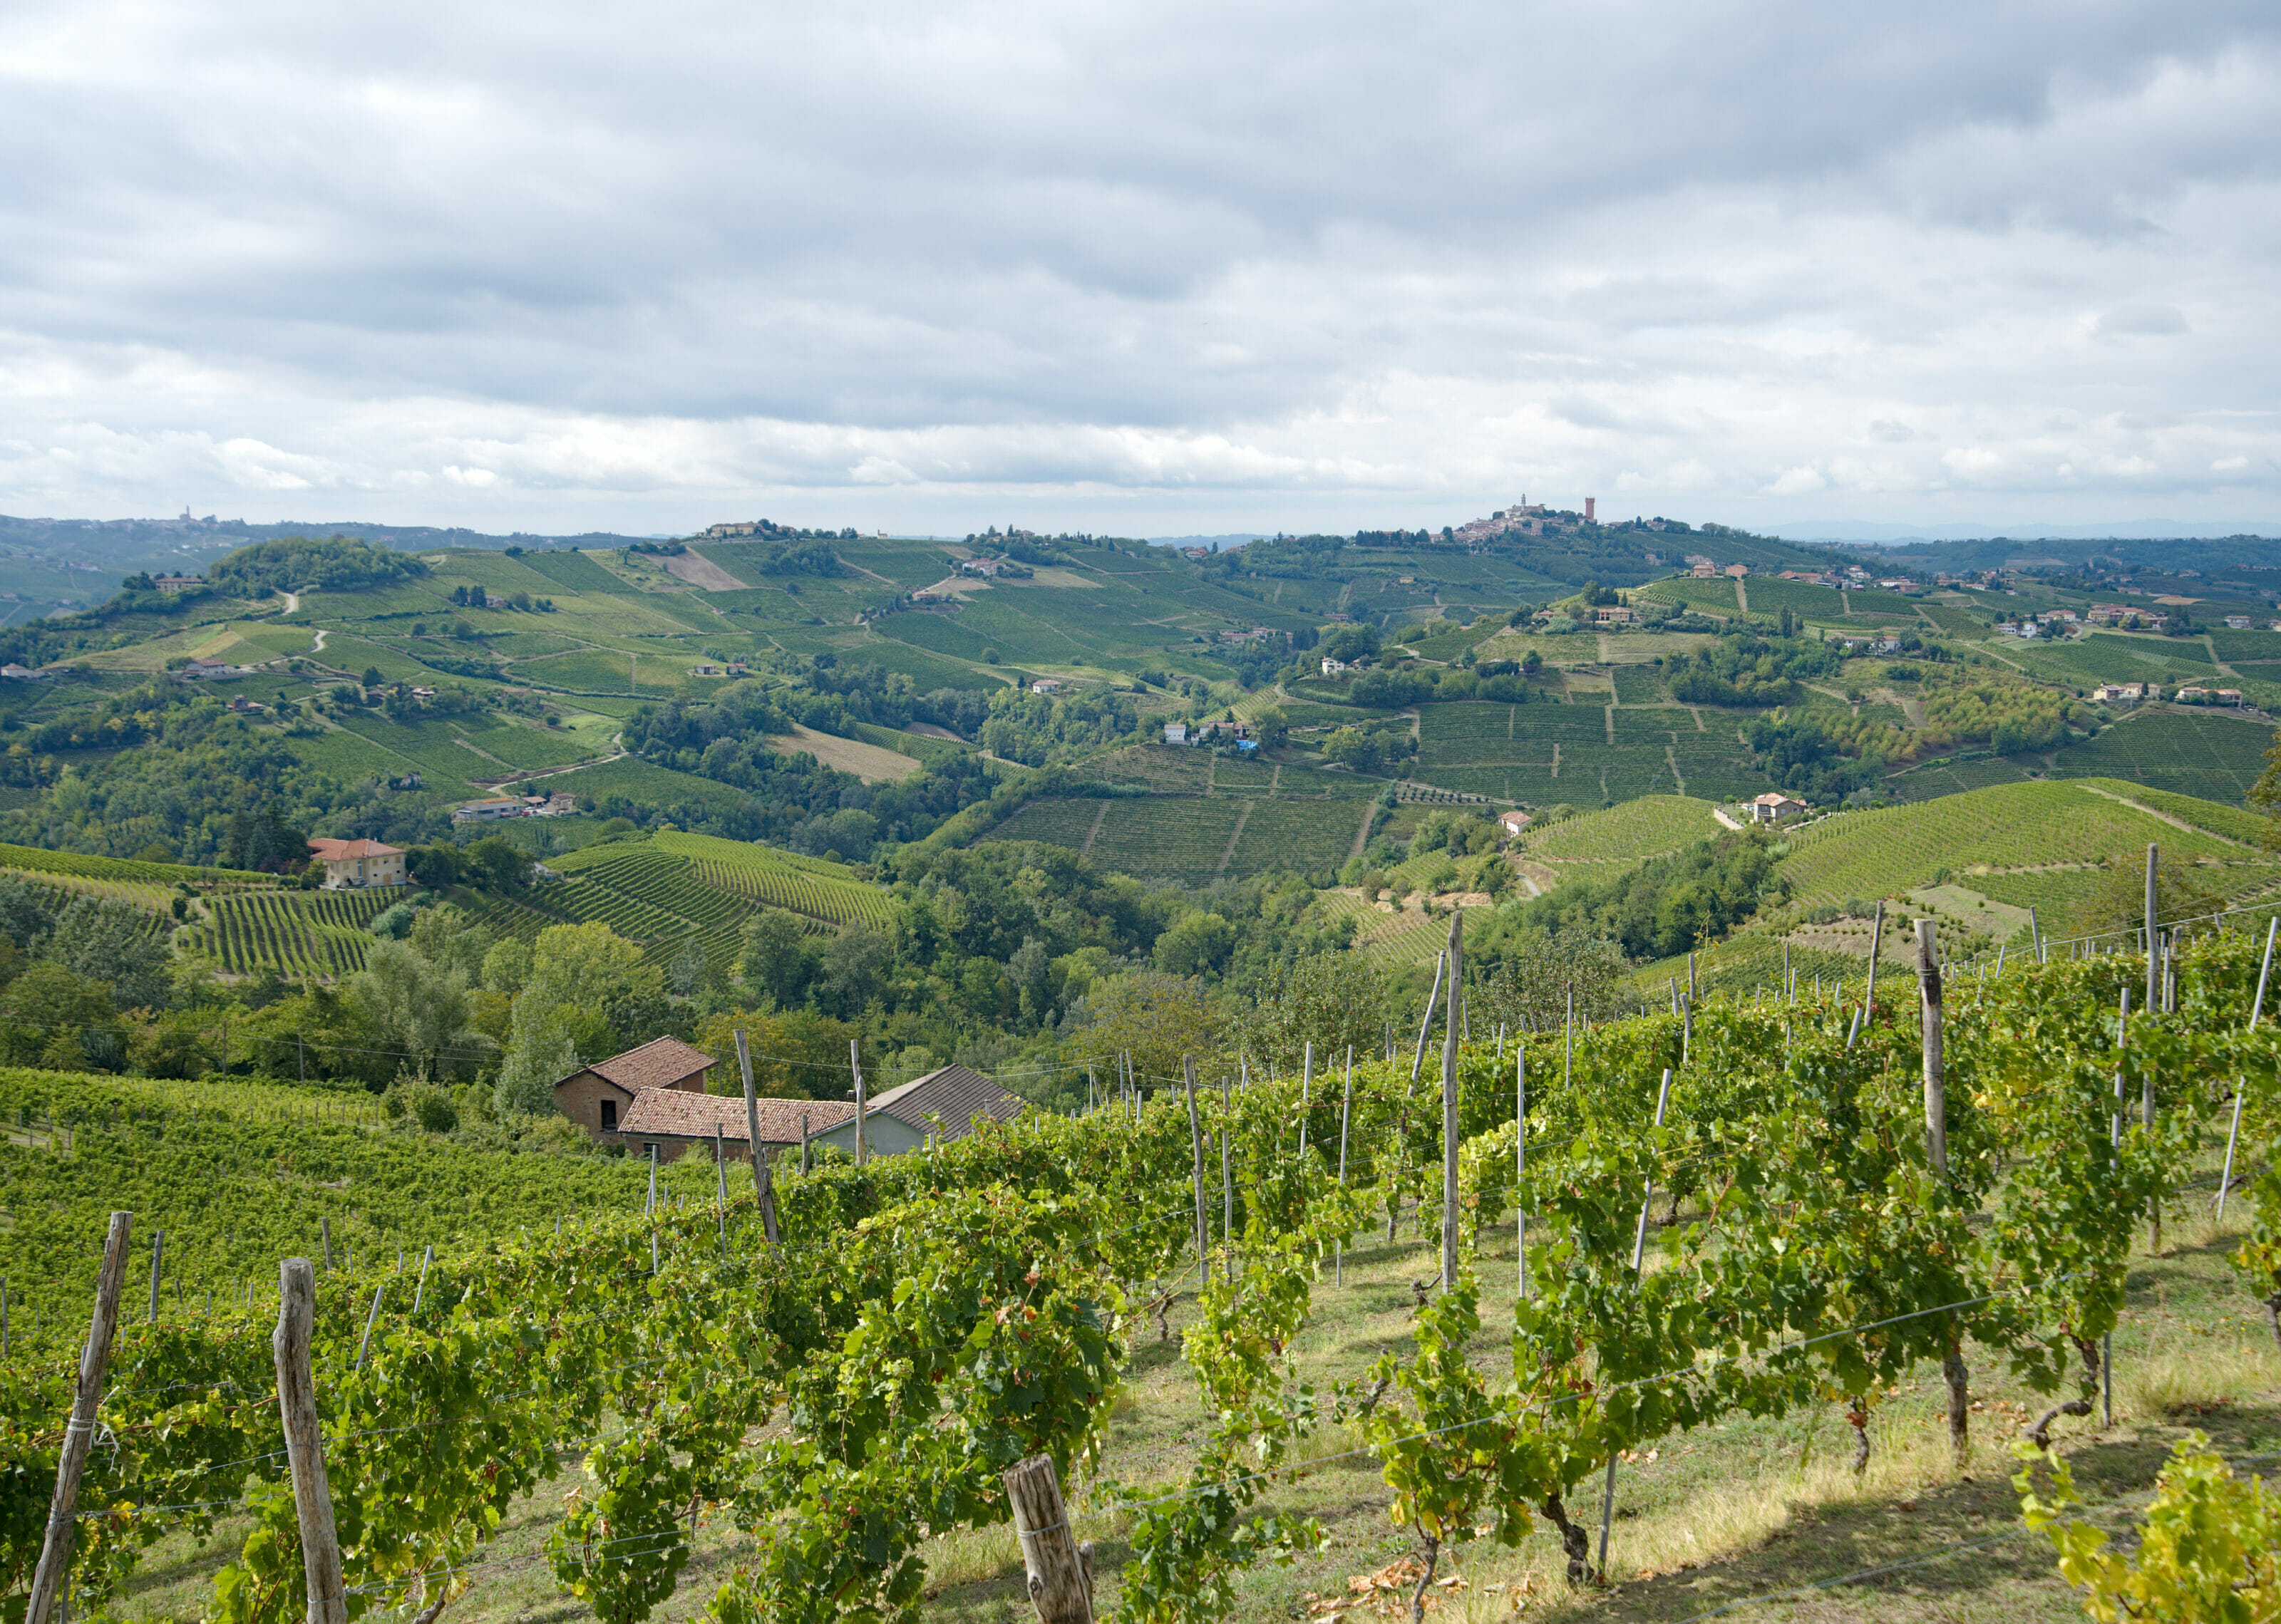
[572, 266]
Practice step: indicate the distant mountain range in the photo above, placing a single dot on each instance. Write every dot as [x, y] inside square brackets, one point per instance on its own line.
[1859, 531]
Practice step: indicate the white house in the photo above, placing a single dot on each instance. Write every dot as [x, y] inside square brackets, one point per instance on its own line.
[352, 864]
[1773, 806]
[1176, 733]
[1332, 667]
[1512, 822]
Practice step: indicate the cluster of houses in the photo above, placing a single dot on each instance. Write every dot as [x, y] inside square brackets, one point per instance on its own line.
[1209, 733]
[1523, 518]
[556, 805]
[2133, 693]
[655, 1102]
[733, 668]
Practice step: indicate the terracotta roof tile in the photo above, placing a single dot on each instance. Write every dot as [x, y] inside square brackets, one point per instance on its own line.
[344, 851]
[659, 1064]
[675, 1113]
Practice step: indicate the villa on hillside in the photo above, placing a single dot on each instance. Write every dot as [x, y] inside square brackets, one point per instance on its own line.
[352, 865]
[1774, 807]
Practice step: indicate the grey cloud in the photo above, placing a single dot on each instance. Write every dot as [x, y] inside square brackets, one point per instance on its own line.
[1367, 254]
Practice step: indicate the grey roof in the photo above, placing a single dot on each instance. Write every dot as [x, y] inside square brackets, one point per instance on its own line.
[954, 1093]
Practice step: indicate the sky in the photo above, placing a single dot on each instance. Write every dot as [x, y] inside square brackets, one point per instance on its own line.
[1135, 270]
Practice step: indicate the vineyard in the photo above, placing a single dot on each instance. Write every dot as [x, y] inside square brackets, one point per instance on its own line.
[1745, 1223]
[1636, 830]
[2012, 827]
[318, 933]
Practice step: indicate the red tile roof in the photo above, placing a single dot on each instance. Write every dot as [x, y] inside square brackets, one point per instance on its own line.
[673, 1113]
[659, 1064]
[347, 851]
[954, 1093]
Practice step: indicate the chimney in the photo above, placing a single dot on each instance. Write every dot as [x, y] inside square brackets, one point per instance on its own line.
[1588, 510]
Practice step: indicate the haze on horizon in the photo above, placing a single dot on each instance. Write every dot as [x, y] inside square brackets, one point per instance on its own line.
[1181, 268]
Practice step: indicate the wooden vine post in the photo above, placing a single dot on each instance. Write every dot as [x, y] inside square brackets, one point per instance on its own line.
[305, 1444]
[2154, 985]
[1450, 1107]
[764, 1173]
[862, 1128]
[1060, 1570]
[94, 1364]
[1935, 1090]
[1196, 1139]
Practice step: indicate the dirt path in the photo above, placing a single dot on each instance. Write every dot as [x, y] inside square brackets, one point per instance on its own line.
[1241, 817]
[292, 602]
[702, 571]
[1741, 594]
[2174, 821]
[1094, 833]
[317, 647]
[1672, 756]
[1362, 834]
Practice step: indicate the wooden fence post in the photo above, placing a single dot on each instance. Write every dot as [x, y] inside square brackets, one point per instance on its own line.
[304, 1445]
[1450, 1109]
[94, 1363]
[1060, 1571]
[764, 1173]
[157, 1255]
[1197, 1138]
[1935, 1090]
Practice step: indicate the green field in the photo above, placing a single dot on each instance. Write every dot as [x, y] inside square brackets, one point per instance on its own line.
[2005, 827]
[2207, 755]
[1638, 829]
[319, 934]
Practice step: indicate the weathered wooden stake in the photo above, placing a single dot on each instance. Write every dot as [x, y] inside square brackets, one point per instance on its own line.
[305, 1444]
[1306, 1093]
[1520, 1164]
[1346, 1109]
[1059, 1570]
[1418, 1059]
[1456, 950]
[764, 1182]
[1935, 1093]
[2154, 936]
[54, 1570]
[1196, 1140]
[157, 1255]
[2241, 1085]
[721, 1189]
[325, 1234]
[370, 1319]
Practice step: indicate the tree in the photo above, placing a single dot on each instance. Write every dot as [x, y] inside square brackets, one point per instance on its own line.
[371, 678]
[2119, 905]
[2265, 794]
[421, 1005]
[1197, 945]
[776, 959]
[1333, 1000]
[1030, 970]
[1534, 973]
[579, 973]
[850, 969]
[1155, 1017]
[1354, 748]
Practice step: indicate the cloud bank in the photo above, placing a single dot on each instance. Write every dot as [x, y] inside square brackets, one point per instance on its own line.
[1134, 269]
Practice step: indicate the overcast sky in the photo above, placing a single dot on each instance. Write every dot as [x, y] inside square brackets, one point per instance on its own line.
[1141, 269]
